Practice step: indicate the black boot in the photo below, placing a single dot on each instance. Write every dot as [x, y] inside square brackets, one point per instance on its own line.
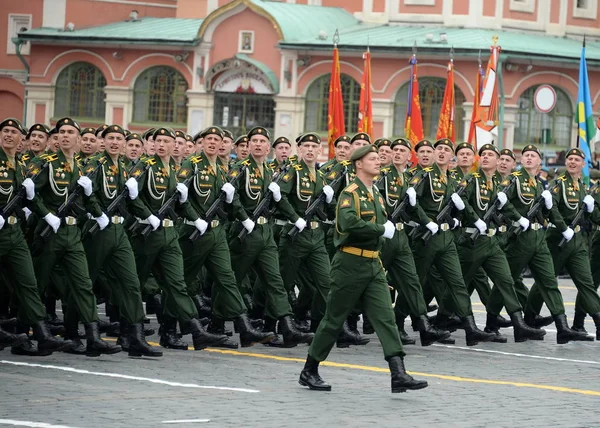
[402, 381]
[522, 331]
[579, 322]
[538, 321]
[217, 327]
[491, 326]
[404, 337]
[124, 340]
[502, 322]
[72, 333]
[203, 308]
[51, 316]
[473, 334]
[564, 334]
[249, 335]
[137, 342]
[46, 341]
[154, 304]
[9, 339]
[596, 318]
[291, 336]
[277, 341]
[309, 376]
[447, 322]
[348, 338]
[203, 339]
[367, 326]
[95, 345]
[428, 333]
[168, 335]
[431, 308]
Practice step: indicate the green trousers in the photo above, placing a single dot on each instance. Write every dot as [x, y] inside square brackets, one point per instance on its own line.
[260, 252]
[440, 252]
[211, 251]
[18, 274]
[65, 249]
[109, 253]
[357, 281]
[160, 254]
[486, 253]
[573, 256]
[595, 265]
[530, 249]
[309, 249]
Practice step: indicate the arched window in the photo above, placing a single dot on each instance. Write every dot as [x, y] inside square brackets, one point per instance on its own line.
[159, 95]
[80, 92]
[553, 128]
[317, 98]
[431, 95]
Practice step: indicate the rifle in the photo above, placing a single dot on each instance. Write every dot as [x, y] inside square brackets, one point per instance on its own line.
[115, 205]
[444, 214]
[73, 196]
[167, 206]
[12, 205]
[578, 217]
[399, 212]
[315, 206]
[217, 206]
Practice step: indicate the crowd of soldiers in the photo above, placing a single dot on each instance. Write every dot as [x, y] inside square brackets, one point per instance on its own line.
[205, 230]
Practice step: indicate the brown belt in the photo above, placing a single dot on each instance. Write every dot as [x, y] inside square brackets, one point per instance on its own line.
[360, 252]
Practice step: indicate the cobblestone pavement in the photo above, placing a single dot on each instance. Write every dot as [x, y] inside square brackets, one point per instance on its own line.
[532, 384]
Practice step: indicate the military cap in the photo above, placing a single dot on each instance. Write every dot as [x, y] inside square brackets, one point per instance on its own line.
[149, 133]
[360, 136]
[444, 141]
[15, 123]
[259, 130]
[41, 127]
[241, 139]
[401, 142]
[113, 128]
[133, 136]
[188, 137]
[344, 138]
[309, 137]
[423, 143]
[227, 134]
[488, 147]
[465, 145]
[508, 152]
[24, 130]
[382, 142]
[531, 148]
[576, 152]
[127, 133]
[180, 134]
[100, 130]
[67, 121]
[88, 130]
[168, 132]
[212, 130]
[281, 140]
[361, 152]
[53, 131]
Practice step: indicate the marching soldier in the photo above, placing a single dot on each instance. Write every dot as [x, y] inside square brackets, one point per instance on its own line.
[38, 141]
[241, 147]
[88, 146]
[282, 149]
[506, 163]
[99, 139]
[133, 149]
[224, 158]
[148, 137]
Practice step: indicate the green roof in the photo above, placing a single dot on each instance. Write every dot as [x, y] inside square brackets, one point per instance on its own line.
[150, 31]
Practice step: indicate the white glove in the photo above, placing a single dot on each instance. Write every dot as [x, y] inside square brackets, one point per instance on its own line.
[390, 229]
[458, 202]
[328, 190]
[300, 224]
[29, 186]
[154, 221]
[183, 192]
[249, 225]
[53, 221]
[456, 223]
[481, 226]
[229, 191]
[524, 223]
[433, 227]
[502, 198]
[547, 199]
[201, 225]
[132, 188]
[27, 212]
[2, 221]
[589, 203]
[102, 221]
[412, 196]
[274, 187]
[86, 183]
[568, 234]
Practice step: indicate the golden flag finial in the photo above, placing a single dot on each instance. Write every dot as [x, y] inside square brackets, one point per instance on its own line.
[495, 39]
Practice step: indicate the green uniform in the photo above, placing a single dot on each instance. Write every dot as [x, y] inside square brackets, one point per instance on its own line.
[357, 276]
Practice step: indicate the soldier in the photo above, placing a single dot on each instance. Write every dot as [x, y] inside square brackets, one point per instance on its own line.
[179, 148]
[241, 147]
[53, 143]
[506, 163]
[99, 140]
[148, 137]
[89, 145]
[358, 276]
[64, 246]
[38, 141]
[465, 158]
[282, 149]
[225, 150]
[133, 149]
[530, 247]
[189, 146]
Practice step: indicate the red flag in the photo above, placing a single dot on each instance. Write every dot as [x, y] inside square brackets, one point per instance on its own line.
[335, 108]
[413, 126]
[365, 107]
[476, 101]
[446, 123]
[486, 121]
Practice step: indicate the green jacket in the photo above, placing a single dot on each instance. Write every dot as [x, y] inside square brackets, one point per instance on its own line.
[12, 174]
[522, 195]
[251, 188]
[433, 194]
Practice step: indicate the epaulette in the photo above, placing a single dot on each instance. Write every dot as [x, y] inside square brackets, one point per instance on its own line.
[25, 157]
[297, 166]
[386, 170]
[195, 159]
[475, 175]
[150, 161]
[516, 173]
[351, 188]
[292, 159]
[413, 169]
[561, 178]
[427, 169]
[50, 157]
[346, 163]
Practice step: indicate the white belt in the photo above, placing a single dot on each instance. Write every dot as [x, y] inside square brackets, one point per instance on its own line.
[312, 224]
[532, 226]
[399, 226]
[262, 220]
[444, 227]
[490, 232]
[576, 229]
[12, 220]
[70, 221]
[280, 222]
[213, 223]
[502, 229]
[413, 224]
[165, 223]
[117, 219]
[329, 222]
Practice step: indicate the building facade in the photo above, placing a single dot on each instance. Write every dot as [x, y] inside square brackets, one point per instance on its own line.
[240, 63]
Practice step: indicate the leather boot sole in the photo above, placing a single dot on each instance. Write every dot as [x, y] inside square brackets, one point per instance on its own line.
[201, 344]
[420, 385]
[19, 340]
[107, 351]
[314, 387]
[249, 343]
[428, 339]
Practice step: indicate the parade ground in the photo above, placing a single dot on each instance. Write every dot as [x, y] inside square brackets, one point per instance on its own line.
[532, 384]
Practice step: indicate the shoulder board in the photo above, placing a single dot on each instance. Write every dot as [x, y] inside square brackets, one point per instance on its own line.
[385, 169]
[345, 163]
[332, 175]
[150, 161]
[413, 169]
[297, 167]
[245, 162]
[516, 173]
[43, 155]
[475, 175]
[293, 158]
[50, 157]
[195, 159]
[25, 157]
[562, 178]
[78, 156]
[351, 188]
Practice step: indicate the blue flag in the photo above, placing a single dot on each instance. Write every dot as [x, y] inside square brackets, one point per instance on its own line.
[584, 116]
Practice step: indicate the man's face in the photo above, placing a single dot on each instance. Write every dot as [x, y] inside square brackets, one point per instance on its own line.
[425, 156]
[531, 160]
[309, 151]
[198, 146]
[149, 146]
[241, 151]
[443, 154]
[100, 144]
[386, 155]
[282, 152]
[133, 149]
[370, 164]
[11, 137]
[53, 143]
[114, 143]
[164, 145]
[21, 146]
[88, 144]
[259, 146]
[68, 138]
[189, 148]
[212, 143]
[401, 155]
[488, 160]
[178, 147]
[343, 151]
[357, 144]
[575, 165]
[506, 165]
[465, 158]
[225, 149]
[38, 141]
